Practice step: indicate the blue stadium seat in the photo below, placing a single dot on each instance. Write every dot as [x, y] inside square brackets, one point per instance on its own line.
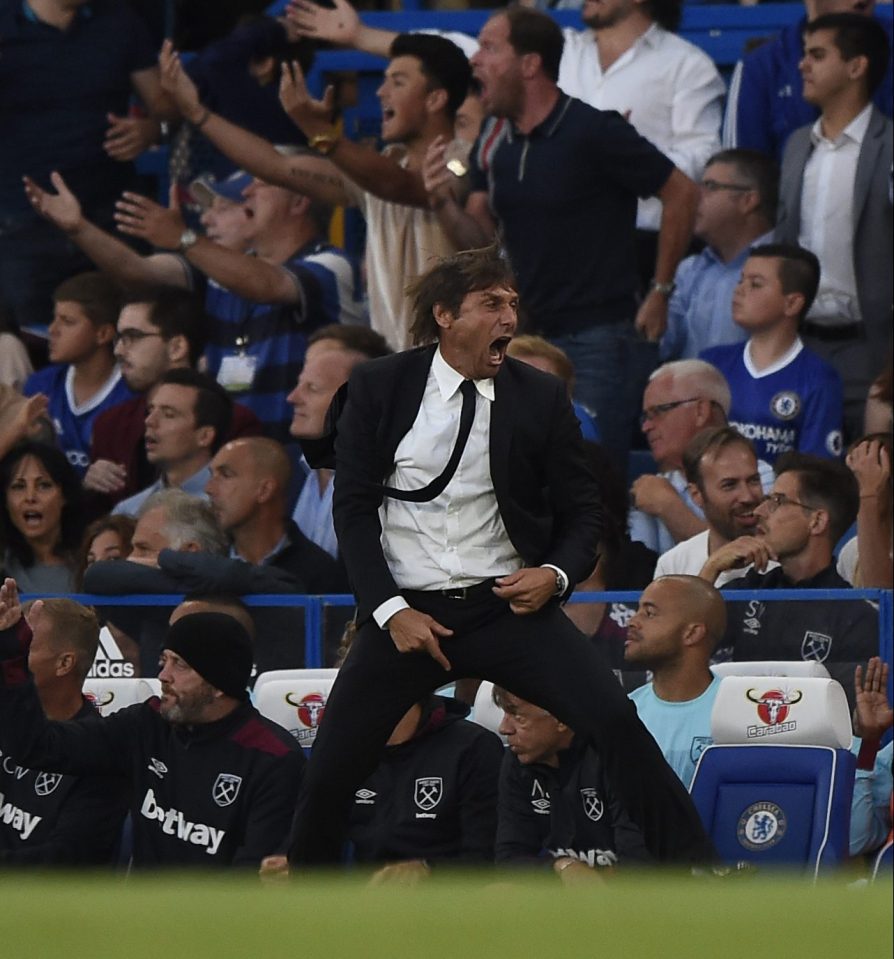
[775, 789]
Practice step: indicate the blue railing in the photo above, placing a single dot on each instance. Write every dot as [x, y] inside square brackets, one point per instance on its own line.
[315, 606]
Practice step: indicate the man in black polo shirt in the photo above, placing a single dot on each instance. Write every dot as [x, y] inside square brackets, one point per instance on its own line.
[562, 180]
[813, 503]
[67, 71]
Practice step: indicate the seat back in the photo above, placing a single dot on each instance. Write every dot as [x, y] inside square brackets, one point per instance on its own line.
[768, 667]
[776, 786]
[297, 704]
[291, 674]
[110, 695]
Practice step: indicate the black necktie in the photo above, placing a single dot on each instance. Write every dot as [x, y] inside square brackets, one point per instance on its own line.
[439, 483]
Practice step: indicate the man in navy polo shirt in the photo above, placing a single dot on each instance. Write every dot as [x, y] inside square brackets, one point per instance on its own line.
[67, 70]
[562, 180]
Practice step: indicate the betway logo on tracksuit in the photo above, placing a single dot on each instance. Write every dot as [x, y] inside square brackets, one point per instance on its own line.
[174, 823]
[23, 822]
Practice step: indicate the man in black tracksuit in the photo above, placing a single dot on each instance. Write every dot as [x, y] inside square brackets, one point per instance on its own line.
[555, 804]
[433, 796]
[213, 783]
[48, 819]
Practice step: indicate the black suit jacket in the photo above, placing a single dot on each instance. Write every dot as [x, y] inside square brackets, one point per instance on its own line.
[547, 496]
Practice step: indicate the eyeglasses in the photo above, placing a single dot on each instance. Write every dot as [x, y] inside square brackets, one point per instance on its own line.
[774, 500]
[654, 412]
[131, 336]
[712, 186]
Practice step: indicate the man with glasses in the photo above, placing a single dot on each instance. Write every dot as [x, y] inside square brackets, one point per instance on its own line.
[736, 210]
[813, 503]
[158, 330]
[682, 399]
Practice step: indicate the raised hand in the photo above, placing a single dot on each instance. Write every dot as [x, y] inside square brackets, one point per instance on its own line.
[870, 463]
[873, 714]
[61, 208]
[339, 25]
[309, 114]
[177, 83]
[139, 216]
[10, 604]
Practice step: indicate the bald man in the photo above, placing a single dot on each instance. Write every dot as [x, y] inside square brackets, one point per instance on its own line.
[674, 633]
[248, 491]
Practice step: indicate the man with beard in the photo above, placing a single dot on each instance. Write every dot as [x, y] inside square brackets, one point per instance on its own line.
[213, 782]
[724, 480]
[548, 159]
[678, 623]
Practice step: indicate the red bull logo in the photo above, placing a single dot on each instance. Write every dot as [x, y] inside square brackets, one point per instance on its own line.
[310, 709]
[772, 709]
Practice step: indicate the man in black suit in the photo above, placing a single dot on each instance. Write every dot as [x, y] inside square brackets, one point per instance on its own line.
[464, 564]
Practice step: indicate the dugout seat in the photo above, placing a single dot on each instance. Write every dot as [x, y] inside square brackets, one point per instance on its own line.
[297, 703]
[775, 788]
[772, 667]
[296, 674]
[110, 695]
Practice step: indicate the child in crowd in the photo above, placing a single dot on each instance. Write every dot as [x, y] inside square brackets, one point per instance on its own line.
[784, 397]
[82, 379]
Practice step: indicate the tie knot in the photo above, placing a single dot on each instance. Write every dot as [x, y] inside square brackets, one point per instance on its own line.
[467, 388]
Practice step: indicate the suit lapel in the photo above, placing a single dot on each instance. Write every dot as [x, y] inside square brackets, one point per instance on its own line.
[866, 163]
[406, 397]
[502, 416]
[801, 150]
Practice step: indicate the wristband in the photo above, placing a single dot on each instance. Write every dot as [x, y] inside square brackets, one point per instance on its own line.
[203, 119]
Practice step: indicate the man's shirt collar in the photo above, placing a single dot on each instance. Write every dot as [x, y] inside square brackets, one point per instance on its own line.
[449, 381]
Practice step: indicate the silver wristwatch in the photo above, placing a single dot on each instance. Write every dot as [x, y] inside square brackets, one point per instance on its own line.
[188, 239]
[561, 582]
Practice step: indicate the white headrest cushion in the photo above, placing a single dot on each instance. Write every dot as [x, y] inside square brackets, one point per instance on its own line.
[297, 705]
[767, 710]
[794, 667]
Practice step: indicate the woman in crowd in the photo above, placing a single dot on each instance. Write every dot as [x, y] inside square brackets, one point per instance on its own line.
[41, 519]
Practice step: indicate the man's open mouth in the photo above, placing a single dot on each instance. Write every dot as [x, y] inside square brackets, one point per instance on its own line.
[498, 347]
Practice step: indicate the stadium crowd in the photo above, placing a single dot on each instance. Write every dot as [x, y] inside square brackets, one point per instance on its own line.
[701, 283]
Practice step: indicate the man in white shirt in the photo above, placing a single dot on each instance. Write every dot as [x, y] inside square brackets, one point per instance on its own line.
[724, 480]
[465, 510]
[674, 632]
[835, 200]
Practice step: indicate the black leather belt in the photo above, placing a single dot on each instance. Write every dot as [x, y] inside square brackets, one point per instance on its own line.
[852, 331]
[458, 593]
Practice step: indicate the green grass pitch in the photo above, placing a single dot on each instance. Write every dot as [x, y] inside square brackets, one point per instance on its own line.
[77, 916]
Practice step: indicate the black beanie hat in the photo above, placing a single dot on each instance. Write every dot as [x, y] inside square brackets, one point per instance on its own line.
[217, 647]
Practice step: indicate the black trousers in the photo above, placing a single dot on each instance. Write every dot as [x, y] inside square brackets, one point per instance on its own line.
[542, 658]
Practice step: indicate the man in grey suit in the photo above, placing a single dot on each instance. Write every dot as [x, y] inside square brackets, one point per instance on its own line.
[835, 199]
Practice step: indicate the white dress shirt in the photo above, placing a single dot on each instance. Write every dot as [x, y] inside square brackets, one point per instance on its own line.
[669, 87]
[458, 538]
[827, 219]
